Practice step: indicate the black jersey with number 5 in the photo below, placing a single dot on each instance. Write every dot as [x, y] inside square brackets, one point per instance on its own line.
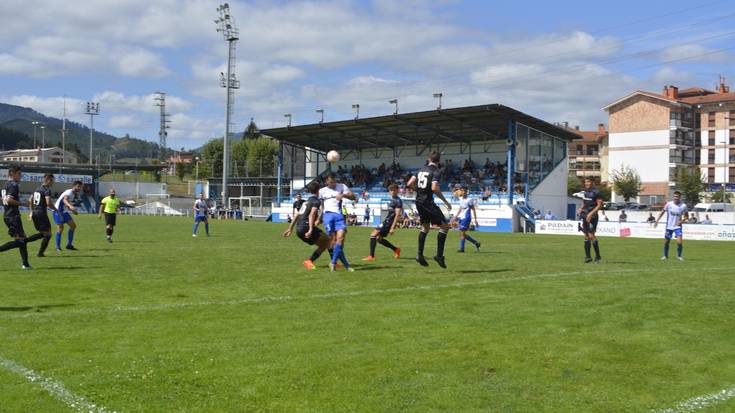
[39, 200]
[424, 178]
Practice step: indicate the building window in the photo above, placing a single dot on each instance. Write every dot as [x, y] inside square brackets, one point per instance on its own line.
[711, 119]
[593, 150]
[711, 156]
[732, 136]
[732, 118]
[711, 137]
[732, 176]
[710, 175]
[580, 150]
[732, 155]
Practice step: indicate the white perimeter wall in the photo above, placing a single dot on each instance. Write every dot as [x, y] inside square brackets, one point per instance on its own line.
[551, 193]
[132, 190]
[651, 163]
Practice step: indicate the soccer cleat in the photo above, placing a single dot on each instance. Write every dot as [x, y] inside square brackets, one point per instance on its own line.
[26, 267]
[664, 258]
[587, 260]
[421, 260]
[350, 269]
[109, 239]
[397, 253]
[40, 255]
[309, 265]
[440, 260]
[71, 248]
[598, 260]
[58, 250]
[460, 251]
[478, 246]
[193, 235]
[332, 267]
[369, 258]
[680, 258]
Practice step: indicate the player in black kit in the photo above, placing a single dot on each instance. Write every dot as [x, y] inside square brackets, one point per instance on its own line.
[39, 204]
[297, 203]
[388, 227]
[305, 221]
[426, 182]
[11, 205]
[591, 204]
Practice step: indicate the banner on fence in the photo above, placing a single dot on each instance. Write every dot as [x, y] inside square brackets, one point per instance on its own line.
[38, 177]
[639, 230]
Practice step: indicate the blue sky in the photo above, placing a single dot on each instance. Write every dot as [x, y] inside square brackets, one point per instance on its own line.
[561, 61]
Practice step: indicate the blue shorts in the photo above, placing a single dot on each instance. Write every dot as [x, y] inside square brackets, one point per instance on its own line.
[65, 218]
[675, 232]
[464, 224]
[200, 218]
[334, 222]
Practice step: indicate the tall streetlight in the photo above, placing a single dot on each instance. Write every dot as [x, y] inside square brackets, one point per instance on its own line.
[321, 112]
[439, 96]
[356, 106]
[229, 82]
[196, 167]
[93, 109]
[289, 117]
[394, 102]
[35, 124]
[43, 136]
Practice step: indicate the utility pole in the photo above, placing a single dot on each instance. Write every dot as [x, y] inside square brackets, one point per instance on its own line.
[63, 135]
[93, 109]
[162, 134]
[230, 83]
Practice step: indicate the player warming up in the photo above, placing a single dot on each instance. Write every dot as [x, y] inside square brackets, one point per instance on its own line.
[62, 215]
[388, 227]
[464, 216]
[40, 202]
[109, 206]
[591, 204]
[426, 182]
[305, 222]
[11, 216]
[334, 221]
[201, 214]
[676, 213]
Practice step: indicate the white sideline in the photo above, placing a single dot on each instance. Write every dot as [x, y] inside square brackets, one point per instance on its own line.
[700, 402]
[339, 294]
[54, 388]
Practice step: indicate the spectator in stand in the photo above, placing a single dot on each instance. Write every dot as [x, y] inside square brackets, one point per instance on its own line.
[549, 216]
[651, 219]
[692, 220]
[706, 220]
[604, 217]
[623, 217]
[366, 217]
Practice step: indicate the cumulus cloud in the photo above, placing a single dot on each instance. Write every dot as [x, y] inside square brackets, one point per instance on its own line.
[124, 122]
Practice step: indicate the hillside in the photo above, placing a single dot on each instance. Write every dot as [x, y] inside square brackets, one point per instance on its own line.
[18, 119]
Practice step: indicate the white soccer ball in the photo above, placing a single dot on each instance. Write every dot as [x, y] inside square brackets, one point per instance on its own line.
[333, 156]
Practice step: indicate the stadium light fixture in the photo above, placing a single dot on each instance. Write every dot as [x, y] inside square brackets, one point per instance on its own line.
[356, 106]
[439, 96]
[93, 109]
[35, 124]
[43, 136]
[289, 117]
[321, 112]
[394, 102]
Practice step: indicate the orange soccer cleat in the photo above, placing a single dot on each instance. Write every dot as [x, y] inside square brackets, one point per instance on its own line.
[309, 265]
[397, 253]
[369, 258]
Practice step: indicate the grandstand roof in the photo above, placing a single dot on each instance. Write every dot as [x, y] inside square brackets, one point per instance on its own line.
[439, 126]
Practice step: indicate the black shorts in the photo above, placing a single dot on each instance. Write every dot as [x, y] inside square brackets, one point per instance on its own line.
[431, 214]
[15, 226]
[316, 233]
[384, 228]
[110, 219]
[41, 222]
[588, 227]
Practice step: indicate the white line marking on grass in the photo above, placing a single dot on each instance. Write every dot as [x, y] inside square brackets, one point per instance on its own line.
[700, 402]
[340, 294]
[54, 388]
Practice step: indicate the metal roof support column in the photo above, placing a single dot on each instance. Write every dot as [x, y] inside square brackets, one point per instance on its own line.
[511, 158]
[279, 179]
[292, 156]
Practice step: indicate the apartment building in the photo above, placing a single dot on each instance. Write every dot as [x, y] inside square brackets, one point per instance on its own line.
[654, 133]
[587, 156]
[40, 155]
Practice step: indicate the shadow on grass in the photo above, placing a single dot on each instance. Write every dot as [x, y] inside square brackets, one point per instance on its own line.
[68, 267]
[483, 271]
[37, 308]
[73, 256]
[376, 267]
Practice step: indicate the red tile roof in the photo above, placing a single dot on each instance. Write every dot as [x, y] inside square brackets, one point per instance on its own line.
[712, 98]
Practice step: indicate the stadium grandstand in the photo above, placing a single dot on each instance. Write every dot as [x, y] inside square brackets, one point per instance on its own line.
[512, 161]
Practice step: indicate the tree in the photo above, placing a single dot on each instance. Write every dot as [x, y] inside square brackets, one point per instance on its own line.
[690, 183]
[252, 131]
[574, 185]
[605, 191]
[180, 170]
[212, 153]
[261, 152]
[239, 156]
[626, 182]
[720, 196]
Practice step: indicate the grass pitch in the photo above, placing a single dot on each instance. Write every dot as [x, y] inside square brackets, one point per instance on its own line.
[163, 322]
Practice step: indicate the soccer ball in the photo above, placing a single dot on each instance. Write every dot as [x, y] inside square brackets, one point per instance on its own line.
[333, 156]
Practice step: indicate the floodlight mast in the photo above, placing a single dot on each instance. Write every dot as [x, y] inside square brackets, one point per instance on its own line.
[93, 109]
[228, 81]
[163, 124]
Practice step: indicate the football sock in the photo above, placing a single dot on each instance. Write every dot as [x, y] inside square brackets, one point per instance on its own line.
[587, 248]
[109, 232]
[206, 227]
[10, 245]
[441, 238]
[58, 240]
[596, 246]
[422, 241]
[461, 244]
[44, 244]
[679, 248]
[315, 255]
[336, 253]
[195, 229]
[343, 259]
[70, 237]
[666, 249]
[384, 242]
[470, 239]
[23, 248]
[34, 237]
[373, 242]
[331, 253]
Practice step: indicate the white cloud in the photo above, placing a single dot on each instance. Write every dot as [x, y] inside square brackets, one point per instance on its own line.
[693, 53]
[50, 106]
[124, 122]
[143, 64]
[119, 102]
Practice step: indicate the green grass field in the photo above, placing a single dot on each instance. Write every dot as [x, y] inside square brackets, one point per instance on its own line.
[163, 322]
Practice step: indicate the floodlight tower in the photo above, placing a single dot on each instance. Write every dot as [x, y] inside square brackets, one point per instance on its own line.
[162, 134]
[35, 124]
[228, 81]
[93, 109]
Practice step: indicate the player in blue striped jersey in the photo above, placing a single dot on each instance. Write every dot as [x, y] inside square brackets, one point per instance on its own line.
[676, 213]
